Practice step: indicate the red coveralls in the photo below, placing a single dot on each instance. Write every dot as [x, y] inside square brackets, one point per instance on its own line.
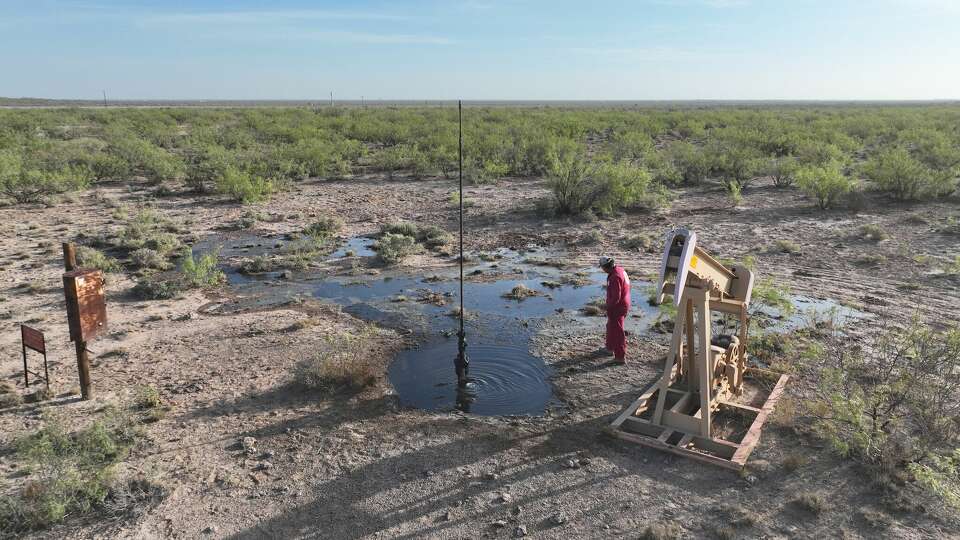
[618, 304]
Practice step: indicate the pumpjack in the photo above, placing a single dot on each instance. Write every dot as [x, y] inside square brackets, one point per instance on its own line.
[709, 404]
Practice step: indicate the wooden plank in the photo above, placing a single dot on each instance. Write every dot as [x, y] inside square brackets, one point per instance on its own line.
[637, 403]
[704, 371]
[682, 422]
[741, 406]
[665, 435]
[692, 454]
[752, 437]
[636, 425]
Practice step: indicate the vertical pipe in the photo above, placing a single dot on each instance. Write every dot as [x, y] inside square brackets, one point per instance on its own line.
[461, 364]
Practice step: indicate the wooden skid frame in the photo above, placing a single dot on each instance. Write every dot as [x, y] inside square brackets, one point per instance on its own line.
[716, 451]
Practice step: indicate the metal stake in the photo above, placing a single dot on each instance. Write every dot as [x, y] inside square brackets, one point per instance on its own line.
[462, 363]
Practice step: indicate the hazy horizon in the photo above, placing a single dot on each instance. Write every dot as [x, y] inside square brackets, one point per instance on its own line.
[482, 51]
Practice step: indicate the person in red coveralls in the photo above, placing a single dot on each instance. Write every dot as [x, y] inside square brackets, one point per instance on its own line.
[618, 304]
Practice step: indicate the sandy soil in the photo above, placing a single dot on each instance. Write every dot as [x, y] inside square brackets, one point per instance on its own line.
[359, 466]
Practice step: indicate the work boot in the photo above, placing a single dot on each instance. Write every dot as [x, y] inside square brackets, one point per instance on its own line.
[621, 361]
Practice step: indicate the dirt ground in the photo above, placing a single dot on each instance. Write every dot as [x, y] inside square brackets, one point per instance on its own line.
[359, 466]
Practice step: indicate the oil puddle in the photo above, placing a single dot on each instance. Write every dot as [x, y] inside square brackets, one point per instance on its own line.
[505, 378]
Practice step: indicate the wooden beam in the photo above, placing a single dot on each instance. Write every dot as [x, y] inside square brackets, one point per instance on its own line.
[752, 437]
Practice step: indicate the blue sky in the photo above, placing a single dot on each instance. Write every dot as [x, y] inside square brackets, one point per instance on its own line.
[482, 49]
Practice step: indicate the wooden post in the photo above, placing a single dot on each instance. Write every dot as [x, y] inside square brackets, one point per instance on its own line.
[83, 359]
[69, 257]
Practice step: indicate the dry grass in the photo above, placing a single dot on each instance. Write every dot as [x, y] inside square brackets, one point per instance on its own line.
[520, 292]
[344, 361]
[813, 503]
[662, 531]
[595, 308]
[872, 233]
[9, 397]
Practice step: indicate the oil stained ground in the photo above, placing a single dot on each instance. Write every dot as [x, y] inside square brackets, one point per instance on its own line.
[505, 378]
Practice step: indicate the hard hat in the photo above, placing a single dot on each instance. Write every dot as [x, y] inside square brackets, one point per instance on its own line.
[606, 261]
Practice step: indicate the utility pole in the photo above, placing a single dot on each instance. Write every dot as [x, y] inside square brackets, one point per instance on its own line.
[104, 98]
[331, 98]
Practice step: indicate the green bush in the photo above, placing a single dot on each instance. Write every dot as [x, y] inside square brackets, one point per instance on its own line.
[324, 228]
[392, 248]
[890, 402]
[826, 184]
[150, 259]
[244, 187]
[894, 170]
[72, 473]
[606, 187]
[157, 288]
[693, 163]
[88, 257]
[783, 170]
[200, 271]
[23, 184]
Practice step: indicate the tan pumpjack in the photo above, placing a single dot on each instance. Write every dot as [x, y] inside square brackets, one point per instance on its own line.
[708, 404]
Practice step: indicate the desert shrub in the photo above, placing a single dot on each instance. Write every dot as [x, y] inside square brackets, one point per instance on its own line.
[826, 184]
[324, 228]
[206, 165]
[392, 248]
[783, 170]
[606, 187]
[25, 184]
[811, 502]
[71, 473]
[244, 187]
[520, 292]
[404, 228]
[737, 164]
[257, 265]
[200, 271]
[666, 530]
[894, 170]
[939, 474]
[149, 258]
[146, 397]
[872, 233]
[88, 257]
[693, 163]
[162, 242]
[892, 401]
[630, 145]
[622, 185]
[342, 361]
[9, 397]
[433, 237]
[157, 288]
[401, 157]
[735, 193]
[638, 242]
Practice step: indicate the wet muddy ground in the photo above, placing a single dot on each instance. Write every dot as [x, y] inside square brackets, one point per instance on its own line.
[402, 458]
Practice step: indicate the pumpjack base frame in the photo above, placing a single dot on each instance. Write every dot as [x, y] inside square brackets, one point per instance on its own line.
[763, 389]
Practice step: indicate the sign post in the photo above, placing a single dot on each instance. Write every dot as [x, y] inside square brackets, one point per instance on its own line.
[86, 311]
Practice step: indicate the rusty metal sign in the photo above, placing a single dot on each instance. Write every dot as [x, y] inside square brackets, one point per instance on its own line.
[31, 338]
[86, 305]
